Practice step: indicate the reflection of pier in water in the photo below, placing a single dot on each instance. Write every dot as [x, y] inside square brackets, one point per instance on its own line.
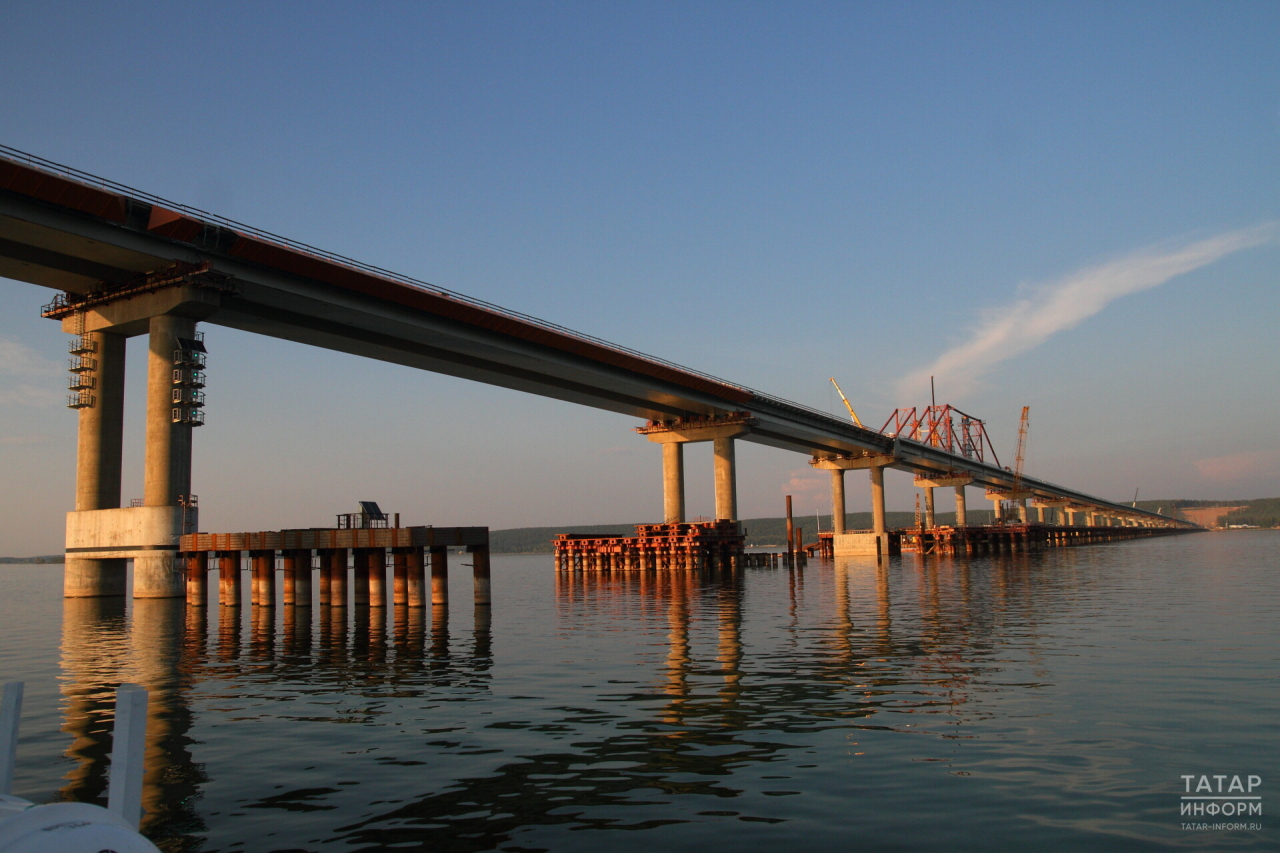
[713, 703]
[169, 647]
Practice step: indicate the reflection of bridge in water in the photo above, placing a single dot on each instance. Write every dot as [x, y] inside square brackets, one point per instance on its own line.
[908, 637]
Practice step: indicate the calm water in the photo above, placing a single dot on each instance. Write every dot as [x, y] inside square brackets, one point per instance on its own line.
[1046, 702]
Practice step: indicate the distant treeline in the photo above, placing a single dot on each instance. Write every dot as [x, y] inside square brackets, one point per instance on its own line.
[52, 558]
[1264, 512]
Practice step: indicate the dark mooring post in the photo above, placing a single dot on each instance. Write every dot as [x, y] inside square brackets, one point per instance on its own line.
[399, 576]
[415, 581]
[791, 531]
[198, 578]
[480, 568]
[439, 575]
[229, 580]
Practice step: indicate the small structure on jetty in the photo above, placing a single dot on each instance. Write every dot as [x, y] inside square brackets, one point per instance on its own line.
[681, 545]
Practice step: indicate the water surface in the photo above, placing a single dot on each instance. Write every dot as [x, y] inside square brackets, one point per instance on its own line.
[1048, 701]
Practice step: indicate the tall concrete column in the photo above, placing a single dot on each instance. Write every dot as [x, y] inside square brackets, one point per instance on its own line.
[167, 471]
[1040, 514]
[878, 525]
[726, 480]
[837, 500]
[168, 454]
[962, 511]
[1022, 511]
[98, 454]
[997, 508]
[673, 482]
[930, 518]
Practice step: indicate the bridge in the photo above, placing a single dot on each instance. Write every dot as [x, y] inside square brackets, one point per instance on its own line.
[127, 263]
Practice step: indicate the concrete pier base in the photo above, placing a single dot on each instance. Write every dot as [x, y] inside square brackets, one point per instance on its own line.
[159, 576]
[94, 578]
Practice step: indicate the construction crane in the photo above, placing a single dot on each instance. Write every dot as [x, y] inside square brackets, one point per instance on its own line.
[847, 405]
[1018, 460]
[1022, 449]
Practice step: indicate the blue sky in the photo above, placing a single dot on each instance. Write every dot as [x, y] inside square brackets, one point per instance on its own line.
[772, 192]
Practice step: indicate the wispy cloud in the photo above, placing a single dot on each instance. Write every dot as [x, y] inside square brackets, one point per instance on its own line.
[1238, 466]
[18, 359]
[1052, 307]
[19, 362]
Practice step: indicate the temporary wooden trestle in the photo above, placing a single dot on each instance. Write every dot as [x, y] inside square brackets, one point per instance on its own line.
[1004, 538]
[352, 565]
[682, 545]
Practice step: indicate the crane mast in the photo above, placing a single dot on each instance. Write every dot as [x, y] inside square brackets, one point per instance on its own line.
[1022, 449]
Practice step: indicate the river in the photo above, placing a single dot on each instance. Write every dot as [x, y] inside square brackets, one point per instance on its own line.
[1048, 702]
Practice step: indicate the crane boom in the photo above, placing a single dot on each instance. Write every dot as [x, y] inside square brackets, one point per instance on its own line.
[1022, 449]
[847, 405]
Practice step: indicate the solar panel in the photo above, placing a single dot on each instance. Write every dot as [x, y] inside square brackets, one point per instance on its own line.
[371, 510]
[191, 345]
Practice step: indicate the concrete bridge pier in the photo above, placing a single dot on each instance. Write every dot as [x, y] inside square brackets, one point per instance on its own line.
[962, 512]
[726, 479]
[167, 471]
[673, 482]
[929, 517]
[837, 500]
[877, 542]
[98, 454]
[878, 524]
